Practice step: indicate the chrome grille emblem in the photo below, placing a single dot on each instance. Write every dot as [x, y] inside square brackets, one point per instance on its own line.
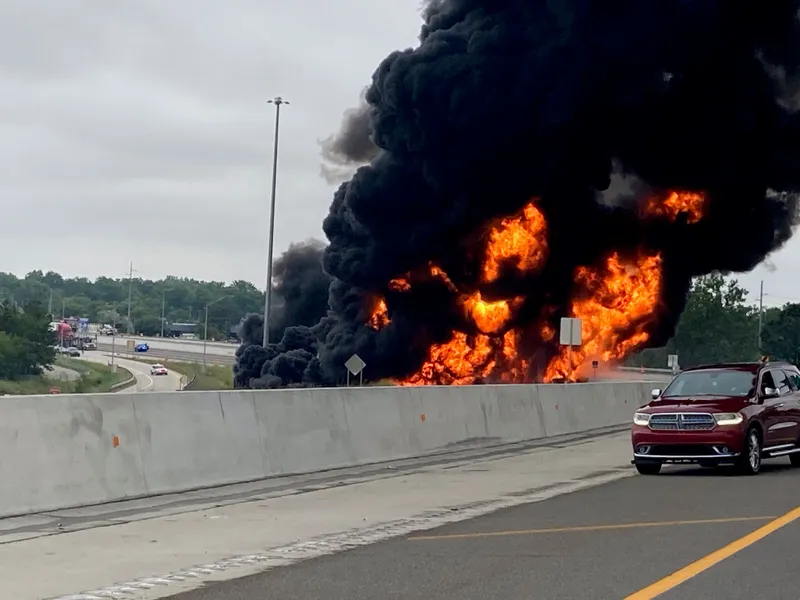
[682, 421]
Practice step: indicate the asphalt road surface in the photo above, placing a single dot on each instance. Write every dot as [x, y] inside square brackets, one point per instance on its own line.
[191, 355]
[616, 541]
[144, 381]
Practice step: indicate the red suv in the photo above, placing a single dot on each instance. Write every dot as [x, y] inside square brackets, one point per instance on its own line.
[731, 413]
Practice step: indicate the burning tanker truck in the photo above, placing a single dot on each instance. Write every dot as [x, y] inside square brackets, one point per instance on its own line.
[529, 161]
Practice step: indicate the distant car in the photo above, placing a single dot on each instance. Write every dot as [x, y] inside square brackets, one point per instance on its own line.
[730, 413]
[141, 348]
[70, 351]
[89, 346]
[158, 370]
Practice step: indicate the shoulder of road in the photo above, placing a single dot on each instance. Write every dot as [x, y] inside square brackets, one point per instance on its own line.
[497, 523]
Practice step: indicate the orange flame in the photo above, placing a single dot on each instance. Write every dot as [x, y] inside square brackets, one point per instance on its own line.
[489, 317]
[457, 362]
[615, 304]
[379, 318]
[521, 240]
[399, 284]
[675, 203]
[616, 301]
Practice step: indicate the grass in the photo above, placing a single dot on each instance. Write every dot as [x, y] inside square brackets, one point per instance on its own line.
[210, 377]
[95, 378]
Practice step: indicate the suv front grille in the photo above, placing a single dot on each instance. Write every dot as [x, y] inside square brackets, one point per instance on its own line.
[682, 422]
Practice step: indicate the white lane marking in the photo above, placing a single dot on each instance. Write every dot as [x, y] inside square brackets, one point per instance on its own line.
[133, 366]
[235, 567]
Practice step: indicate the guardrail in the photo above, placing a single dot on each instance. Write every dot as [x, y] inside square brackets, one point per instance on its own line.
[645, 370]
[250, 435]
[127, 382]
[188, 383]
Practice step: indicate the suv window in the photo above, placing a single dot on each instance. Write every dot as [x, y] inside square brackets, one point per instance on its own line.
[767, 381]
[782, 381]
[794, 378]
[711, 382]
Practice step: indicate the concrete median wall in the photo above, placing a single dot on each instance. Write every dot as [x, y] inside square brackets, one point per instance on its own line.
[66, 451]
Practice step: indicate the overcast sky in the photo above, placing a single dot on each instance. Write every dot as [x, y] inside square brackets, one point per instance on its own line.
[138, 130]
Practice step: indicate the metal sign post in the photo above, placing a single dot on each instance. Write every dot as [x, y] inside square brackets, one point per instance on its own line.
[571, 334]
[355, 366]
[672, 362]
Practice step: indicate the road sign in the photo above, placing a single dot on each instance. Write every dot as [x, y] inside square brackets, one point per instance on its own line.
[355, 364]
[672, 362]
[571, 332]
[595, 364]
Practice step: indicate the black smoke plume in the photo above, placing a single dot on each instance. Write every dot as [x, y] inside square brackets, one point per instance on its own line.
[504, 101]
[300, 300]
[351, 147]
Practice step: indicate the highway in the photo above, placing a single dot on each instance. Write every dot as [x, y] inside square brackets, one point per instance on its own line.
[185, 350]
[144, 381]
[223, 354]
[557, 519]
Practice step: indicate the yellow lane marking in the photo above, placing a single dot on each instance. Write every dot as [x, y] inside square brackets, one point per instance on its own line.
[462, 536]
[705, 563]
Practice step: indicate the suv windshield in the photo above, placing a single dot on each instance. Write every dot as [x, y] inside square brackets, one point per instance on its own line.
[712, 382]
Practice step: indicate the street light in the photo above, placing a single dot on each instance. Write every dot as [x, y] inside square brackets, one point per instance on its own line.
[278, 102]
[205, 332]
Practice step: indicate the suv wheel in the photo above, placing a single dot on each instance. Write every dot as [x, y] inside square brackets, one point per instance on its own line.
[750, 461]
[648, 468]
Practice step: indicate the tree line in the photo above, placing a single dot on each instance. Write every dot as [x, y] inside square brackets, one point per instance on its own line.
[26, 342]
[105, 300]
[719, 324]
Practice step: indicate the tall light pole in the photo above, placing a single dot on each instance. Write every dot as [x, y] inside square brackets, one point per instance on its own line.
[760, 314]
[278, 102]
[163, 306]
[130, 289]
[205, 332]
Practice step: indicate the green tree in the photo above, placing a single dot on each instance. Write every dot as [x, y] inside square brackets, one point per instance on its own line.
[26, 342]
[781, 335]
[717, 326]
[105, 300]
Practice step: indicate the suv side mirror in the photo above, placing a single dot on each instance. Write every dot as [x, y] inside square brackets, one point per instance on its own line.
[655, 393]
[769, 392]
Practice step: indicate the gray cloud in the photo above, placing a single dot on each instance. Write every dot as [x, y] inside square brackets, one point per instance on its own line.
[140, 130]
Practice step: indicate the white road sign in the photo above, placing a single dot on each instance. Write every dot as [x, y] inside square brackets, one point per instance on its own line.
[571, 332]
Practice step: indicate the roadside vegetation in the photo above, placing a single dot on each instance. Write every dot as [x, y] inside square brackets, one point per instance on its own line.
[720, 324]
[95, 378]
[196, 377]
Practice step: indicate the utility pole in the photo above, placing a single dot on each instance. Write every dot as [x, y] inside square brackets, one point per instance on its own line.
[760, 313]
[278, 102]
[130, 289]
[50, 305]
[205, 331]
[163, 305]
[114, 341]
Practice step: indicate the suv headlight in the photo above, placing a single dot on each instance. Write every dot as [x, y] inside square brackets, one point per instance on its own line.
[728, 418]
[641, 419]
